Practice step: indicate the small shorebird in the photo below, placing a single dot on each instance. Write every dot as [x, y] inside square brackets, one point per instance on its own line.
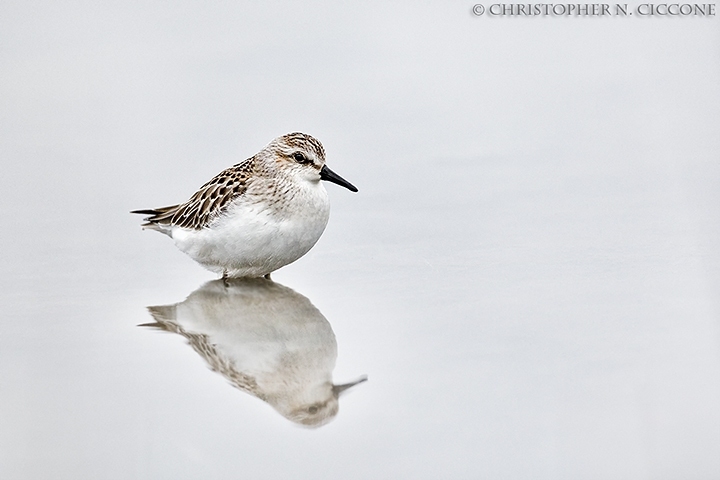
[256, 216]
[265, 339]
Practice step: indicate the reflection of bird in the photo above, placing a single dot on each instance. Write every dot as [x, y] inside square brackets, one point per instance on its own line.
[266, 339]
[258, 215]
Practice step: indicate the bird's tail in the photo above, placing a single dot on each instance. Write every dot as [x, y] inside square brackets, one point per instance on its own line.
[151, 211]
[154, 220]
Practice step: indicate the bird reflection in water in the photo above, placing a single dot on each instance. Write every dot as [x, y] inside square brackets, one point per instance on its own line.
[266, 339]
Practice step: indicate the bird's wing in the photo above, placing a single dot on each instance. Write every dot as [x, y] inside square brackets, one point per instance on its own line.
[166, 319]
[207, 203]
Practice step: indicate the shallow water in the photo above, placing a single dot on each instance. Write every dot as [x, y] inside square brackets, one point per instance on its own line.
[528, 280]
[584, 332]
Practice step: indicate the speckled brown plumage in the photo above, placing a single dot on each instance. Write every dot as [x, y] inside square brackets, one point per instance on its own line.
[257, 216]
[208, 202]
[165, 320]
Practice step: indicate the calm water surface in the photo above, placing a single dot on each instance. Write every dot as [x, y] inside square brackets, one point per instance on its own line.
[583, 332]
[528, 276]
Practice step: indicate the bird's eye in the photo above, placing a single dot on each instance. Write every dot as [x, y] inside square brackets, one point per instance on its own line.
[300, 158]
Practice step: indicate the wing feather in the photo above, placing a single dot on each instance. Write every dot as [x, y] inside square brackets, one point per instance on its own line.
[211, 200]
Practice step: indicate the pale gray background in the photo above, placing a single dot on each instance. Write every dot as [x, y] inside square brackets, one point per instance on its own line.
[529, 274]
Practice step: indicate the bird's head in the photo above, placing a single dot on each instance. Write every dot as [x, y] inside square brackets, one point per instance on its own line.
[303, 156]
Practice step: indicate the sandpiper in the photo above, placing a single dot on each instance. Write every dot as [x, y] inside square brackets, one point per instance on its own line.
[265, 339]
[258, 215]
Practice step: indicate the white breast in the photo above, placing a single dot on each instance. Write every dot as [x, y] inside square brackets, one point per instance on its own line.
[257, 235]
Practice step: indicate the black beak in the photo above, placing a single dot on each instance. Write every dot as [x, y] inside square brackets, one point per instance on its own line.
[338, 389]
[330, 176]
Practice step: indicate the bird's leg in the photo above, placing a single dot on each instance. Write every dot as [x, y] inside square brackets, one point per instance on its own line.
[225, 278]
